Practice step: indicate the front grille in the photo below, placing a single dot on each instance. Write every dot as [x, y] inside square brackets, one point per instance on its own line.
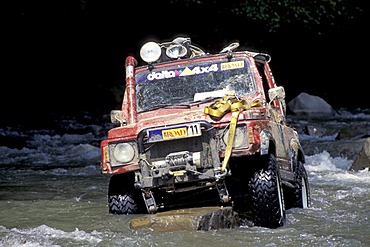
[175, 151]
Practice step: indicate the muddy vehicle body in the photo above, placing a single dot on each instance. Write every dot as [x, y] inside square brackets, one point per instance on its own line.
[192, 123]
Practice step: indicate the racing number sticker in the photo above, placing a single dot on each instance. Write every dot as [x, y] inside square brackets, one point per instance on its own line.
[183, 131]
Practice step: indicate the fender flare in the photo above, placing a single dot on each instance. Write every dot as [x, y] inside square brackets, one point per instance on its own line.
[266, 139]
[296, 153]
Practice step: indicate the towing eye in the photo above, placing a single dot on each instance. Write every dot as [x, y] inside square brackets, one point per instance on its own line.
[229, 104]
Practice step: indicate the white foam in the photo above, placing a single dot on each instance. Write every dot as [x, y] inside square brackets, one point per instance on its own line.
[44, 235]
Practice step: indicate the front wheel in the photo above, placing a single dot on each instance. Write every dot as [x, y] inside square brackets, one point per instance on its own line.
[123, 198]
[122, 204]
[267, 202]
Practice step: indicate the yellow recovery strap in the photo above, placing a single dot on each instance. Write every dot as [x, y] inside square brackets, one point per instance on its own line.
[229, 104]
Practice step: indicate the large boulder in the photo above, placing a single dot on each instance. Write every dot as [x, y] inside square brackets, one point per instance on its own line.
[310, 105]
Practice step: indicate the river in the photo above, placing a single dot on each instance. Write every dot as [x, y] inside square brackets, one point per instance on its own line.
[52, 193]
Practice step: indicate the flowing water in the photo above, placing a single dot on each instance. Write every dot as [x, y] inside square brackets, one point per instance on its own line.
[53, 194]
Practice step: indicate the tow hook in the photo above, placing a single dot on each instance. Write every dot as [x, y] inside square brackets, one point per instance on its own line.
[149, 200]
[222, 191]
[221, 187]
[222, 175]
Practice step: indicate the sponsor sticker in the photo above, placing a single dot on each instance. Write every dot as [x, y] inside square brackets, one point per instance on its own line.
[232, 65]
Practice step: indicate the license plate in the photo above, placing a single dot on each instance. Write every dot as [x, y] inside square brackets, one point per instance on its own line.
[174, 132]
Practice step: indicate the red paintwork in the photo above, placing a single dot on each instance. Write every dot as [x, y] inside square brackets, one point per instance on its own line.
[162, 117]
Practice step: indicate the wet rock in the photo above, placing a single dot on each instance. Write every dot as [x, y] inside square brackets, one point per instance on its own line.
[362, 159]
[340, 137]
[357, 150]
[204, 218]
[352, 133]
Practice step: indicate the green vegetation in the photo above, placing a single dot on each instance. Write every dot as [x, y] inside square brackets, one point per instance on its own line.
[276, 14]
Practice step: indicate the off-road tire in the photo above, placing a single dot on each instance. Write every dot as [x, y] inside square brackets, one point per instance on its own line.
[299, 196]
[266, 195]
[122, 204]
[123, 198]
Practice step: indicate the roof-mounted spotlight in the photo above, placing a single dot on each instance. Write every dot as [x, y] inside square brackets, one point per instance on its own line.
[150, 52]
[176, 51]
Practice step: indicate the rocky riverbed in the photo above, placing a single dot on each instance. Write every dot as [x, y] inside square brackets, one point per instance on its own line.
[342, 135]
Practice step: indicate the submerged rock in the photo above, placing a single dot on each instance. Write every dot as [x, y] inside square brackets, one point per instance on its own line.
[204, 218]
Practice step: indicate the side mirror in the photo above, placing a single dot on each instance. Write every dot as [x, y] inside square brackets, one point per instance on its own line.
[277, 93]
[116, 117]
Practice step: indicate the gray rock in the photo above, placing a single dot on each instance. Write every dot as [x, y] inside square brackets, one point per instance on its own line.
[309, 105]
[362, 159]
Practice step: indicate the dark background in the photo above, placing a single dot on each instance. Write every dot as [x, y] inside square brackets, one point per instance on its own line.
[68, 56]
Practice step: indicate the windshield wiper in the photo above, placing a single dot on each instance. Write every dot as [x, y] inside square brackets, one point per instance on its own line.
[167, 106]
[181, 105]
[208, 99]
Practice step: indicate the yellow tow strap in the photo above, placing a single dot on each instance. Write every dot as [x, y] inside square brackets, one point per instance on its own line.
[229, 104]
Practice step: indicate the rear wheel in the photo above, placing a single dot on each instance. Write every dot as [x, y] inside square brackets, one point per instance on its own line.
[301, 192]
[266, 195]
[123, 198]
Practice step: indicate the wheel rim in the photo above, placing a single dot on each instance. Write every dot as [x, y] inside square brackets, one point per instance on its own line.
[304, 194]
[280, 200]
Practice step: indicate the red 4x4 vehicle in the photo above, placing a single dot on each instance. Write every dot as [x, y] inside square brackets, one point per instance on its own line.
[196, 126]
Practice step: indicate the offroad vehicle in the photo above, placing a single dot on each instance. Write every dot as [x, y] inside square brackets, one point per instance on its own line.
[193, 122]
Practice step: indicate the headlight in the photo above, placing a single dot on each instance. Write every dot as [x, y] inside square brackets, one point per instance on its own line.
[150, 52]
[240, 138]
[124, 152]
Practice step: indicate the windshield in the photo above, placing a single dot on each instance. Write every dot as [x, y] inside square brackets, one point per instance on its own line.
[183, 86]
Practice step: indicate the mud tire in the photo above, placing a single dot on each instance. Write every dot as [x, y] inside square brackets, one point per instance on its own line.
[266, 195]
[123, 198]
[122, 204]
[299, 196]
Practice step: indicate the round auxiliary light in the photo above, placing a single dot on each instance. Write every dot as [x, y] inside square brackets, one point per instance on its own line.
[176, 51]
[150, 52]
